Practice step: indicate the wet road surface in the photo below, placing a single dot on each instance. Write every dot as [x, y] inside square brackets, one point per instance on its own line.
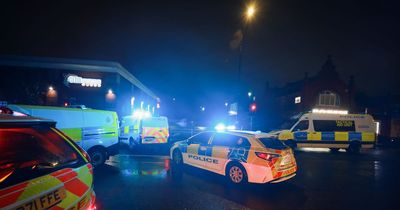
[324, 180]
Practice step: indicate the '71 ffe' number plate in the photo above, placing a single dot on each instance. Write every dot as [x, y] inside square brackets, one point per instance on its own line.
[44, 201]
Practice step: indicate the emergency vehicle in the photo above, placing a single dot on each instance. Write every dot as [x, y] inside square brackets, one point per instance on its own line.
[40, 167]
[241, 156]
[147, 130]
[96, 131]
[331, 130]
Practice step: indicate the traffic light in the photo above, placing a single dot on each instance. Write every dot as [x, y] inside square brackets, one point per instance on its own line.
[253, 107]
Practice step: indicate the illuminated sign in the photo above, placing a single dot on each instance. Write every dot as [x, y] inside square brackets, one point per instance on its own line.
[85, 82]
[297, 100]
[329, 111]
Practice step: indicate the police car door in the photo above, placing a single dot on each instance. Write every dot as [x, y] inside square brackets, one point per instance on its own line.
[300, 130]
[224, 148]
[196, 149]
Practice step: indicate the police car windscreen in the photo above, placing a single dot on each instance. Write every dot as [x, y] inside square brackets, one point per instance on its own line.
[272, 143]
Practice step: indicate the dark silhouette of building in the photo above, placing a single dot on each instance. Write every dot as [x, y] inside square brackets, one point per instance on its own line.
[325, 90]
[44, 81]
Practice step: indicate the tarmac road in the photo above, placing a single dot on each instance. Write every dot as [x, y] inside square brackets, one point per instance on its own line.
[324, 180]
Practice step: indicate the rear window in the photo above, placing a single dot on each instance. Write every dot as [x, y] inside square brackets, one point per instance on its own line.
[333, 125]
[27, 153]
[272, 143]
[155, 123]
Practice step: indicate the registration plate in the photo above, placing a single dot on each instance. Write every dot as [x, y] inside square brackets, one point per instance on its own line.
[44, 201]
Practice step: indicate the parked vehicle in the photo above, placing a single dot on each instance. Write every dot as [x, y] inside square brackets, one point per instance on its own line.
[148, 130]
[40, 167]
[241, 156]
[96, 131]
[330, 130]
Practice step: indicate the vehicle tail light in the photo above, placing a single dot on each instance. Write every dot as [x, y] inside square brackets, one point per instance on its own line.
[266, 156]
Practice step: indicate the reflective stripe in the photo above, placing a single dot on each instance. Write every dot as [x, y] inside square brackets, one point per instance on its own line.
[160, 135]
[126, 129]
[333, 136]
[300, 135]
[328, 136]
[73, 133]
[77, 183]
[220, 152]
[341, 136]
[193, 149]
[355, 136]
[368, 136]
[99, 132]
[314, 135]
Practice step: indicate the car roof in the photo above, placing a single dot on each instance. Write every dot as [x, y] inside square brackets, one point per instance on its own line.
[256, 134]
[7, 118]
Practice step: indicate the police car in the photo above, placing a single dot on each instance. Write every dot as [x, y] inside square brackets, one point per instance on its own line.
[241, 156]
[41, 168]
[330, 129]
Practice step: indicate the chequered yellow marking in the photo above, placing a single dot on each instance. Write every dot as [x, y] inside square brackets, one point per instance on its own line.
[368, 136]
[314, 135]
[69, 200]
[126, 129]
[220, 152]
[38, 186]
[73, 133]
[341, 136]
[193, 149]
[85, 176]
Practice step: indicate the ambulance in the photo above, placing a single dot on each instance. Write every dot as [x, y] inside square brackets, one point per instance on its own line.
[96, 131]
[40, 167]
[331, 129]
[143, 130]
[240, 156]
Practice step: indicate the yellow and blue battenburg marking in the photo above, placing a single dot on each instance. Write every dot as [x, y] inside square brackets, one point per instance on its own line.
[334, 136]
[241, 154]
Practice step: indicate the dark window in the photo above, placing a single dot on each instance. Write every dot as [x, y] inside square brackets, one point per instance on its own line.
[301, 126]
[201, 138]
[228, 140]
[26, 153]
[333, 125]
[272, 143]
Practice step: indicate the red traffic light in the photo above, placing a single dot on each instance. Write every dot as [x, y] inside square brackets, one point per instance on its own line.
[253, 107]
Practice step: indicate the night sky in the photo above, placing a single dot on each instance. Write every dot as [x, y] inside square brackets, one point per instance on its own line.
[181, 48]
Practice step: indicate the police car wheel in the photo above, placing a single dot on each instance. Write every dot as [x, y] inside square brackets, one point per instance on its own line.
[236, 174]
[354, 147]
[177, 158]
[98, 156]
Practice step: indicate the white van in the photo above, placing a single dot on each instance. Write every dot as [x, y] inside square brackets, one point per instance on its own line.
[96, 131]
[334, 131]
[148, 130]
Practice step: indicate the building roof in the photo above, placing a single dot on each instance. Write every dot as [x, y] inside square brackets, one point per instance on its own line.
[75, 65]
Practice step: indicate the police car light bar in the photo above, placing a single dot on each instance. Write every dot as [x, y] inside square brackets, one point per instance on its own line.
[141, 114]
[222, 127]
[330, 111]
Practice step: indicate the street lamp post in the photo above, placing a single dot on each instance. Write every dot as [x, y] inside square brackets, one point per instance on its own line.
[249, 15]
